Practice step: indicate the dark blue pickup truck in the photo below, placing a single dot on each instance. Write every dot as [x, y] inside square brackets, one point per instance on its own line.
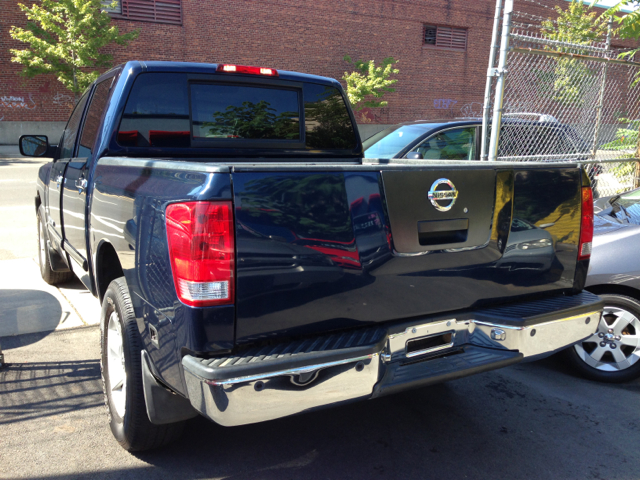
[251, 264]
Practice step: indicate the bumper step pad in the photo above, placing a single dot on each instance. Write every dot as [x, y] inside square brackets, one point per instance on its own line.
[470, 361]
[530, 312]
[294, 354]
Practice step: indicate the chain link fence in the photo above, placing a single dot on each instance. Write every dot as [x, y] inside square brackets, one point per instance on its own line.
[557, 101]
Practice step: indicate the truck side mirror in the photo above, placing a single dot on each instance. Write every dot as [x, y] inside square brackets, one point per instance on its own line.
[34, 145]
[415, 156]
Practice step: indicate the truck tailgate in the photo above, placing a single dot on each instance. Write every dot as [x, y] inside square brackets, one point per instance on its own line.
[321, 250]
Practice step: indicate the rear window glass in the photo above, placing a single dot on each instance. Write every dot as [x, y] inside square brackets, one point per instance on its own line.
[244, 112]
[158, 114]
[327, 122]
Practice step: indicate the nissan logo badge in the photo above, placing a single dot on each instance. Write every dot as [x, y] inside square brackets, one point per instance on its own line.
[443, 200]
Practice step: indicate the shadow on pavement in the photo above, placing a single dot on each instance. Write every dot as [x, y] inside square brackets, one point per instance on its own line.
[7, 160]
[44, 389]
[27, 311]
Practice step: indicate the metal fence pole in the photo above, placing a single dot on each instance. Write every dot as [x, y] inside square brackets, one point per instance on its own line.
[499, 95]
[491, 72]
[601, 97]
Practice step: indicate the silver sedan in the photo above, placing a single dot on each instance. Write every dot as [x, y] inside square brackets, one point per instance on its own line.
[612, 354]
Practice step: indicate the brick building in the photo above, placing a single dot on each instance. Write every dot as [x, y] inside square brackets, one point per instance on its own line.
[442, 46]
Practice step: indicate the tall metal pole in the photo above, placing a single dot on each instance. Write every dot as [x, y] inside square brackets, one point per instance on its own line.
[602, 87]
[502, 72]
[491, 72]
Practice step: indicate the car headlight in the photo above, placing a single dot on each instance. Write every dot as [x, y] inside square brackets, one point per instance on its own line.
[545, 242]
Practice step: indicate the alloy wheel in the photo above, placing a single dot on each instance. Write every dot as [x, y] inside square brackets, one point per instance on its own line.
[116, 368]
[616, 344]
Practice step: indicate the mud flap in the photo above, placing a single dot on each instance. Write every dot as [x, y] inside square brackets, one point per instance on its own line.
[163, 406]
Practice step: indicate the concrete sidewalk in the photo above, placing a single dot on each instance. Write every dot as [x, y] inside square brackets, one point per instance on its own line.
[29, 305]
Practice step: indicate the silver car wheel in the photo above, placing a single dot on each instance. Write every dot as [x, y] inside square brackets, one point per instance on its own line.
[115, 361]
[616, 344]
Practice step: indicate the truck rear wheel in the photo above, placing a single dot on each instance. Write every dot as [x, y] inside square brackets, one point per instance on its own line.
[611, 354]
[47, 273]
[121, 365]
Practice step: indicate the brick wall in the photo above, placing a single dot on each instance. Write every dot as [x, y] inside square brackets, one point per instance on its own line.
[309, 36]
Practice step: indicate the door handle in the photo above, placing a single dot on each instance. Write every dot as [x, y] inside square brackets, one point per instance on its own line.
[438, 232]
[58, 181]
[81, 184]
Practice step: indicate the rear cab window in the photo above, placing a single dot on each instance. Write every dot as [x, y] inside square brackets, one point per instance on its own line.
[182, 111]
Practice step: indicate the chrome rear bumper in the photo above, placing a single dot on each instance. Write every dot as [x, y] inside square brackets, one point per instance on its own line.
[249, 389]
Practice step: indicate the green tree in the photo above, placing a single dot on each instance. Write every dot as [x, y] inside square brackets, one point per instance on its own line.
[578, 25]
[368, 83]
[628, 23]
[64, 38]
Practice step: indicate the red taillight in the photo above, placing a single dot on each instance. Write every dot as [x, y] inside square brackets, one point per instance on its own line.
[270, 72]
[202, 252]
[586, 225]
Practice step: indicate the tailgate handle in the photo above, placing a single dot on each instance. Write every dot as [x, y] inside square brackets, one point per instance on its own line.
[439, 232]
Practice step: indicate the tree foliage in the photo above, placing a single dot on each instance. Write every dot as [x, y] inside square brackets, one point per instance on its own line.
[328, 122]
[255, 121]
[64, 38]
[628, 22]
[578, 24]
[313, 206]
[368, 83]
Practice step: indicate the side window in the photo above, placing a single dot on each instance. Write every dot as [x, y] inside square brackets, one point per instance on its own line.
[71, 130]
[94, 115]
[455, 144]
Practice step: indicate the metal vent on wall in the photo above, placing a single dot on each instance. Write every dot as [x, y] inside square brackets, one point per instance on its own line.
[164, 11]
[445, 37]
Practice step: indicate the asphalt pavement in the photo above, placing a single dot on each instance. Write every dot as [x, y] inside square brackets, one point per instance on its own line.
[533, 421]
[528, 421]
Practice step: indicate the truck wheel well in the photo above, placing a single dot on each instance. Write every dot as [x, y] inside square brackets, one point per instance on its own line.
[108, 268]
[38, 202]
[614, 289]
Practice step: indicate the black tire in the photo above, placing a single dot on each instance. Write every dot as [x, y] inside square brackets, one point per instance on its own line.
[48, 275]
[133, 430]
[576, 353]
